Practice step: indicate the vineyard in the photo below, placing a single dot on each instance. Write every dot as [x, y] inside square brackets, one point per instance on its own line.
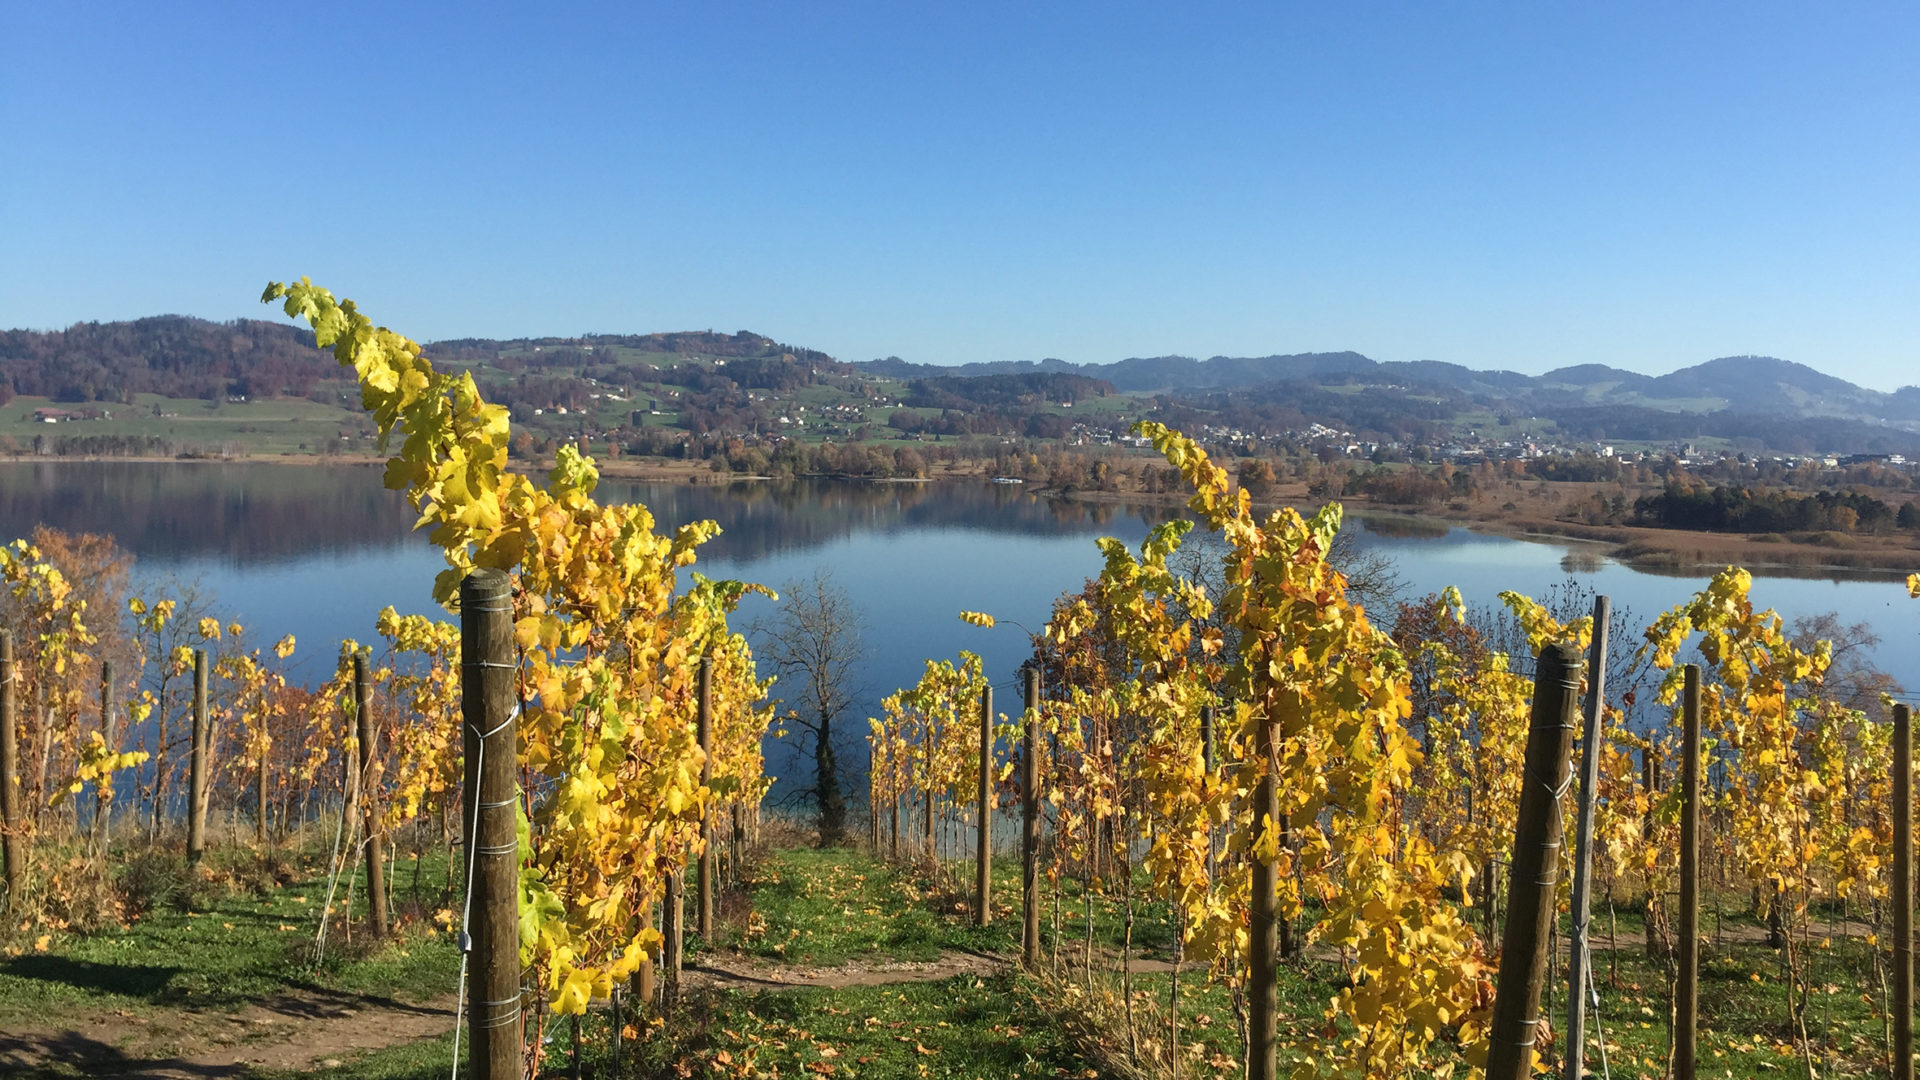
[1249, 826]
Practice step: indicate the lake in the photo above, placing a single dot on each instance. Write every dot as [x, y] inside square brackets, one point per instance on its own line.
[317, 551]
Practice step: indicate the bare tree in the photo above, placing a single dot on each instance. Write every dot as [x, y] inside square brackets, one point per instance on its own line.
[813, 641]
[1853, 680]
[1373, 578]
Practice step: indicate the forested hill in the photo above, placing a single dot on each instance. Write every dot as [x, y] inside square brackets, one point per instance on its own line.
[703, 382]
[173, 355]
[179, 356]
[580, 351]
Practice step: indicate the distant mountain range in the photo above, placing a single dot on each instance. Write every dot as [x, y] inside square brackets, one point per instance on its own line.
[1754, 399]
[1743, 384]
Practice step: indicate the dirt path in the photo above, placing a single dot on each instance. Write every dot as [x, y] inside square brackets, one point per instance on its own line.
[292, 1032]
[734, 972]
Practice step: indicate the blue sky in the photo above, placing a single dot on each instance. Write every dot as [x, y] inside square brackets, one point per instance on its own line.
[1518, 185]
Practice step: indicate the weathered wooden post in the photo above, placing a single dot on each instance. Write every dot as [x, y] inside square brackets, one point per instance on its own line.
[703, 869]
[643, 989]
[983, 873]
[488, 713]
[873, 802]
[43, 708]
[1901, 892]
[1207, 721]
[1583, 840]
[1686, 1005]
[350, 781]
[103, 790]
[738, 859]
[899, 794]
[1030, 825]
[1651, 781]
[1263, 971]
[199, 768]
[932, 846]
[673, 936]
[12, 842]
[260, 794]
[1288, 946]
[369, 785]
[1535, 868]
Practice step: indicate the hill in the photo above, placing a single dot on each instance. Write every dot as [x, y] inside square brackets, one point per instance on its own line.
[704, 382]
[1750, 384]
[175, 356]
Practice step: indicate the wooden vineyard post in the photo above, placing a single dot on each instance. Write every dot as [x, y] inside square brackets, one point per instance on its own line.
[368, 785]
[739, 841]
[12, 844]
[1583, 853]
[703, 869]
[260, 790]
[1686, 1004]
[103, 790]
[672, 923]
[1264, 916]
[1208, 717]
[1285, 927]
[932, 846]
[873, 803]
[1030, 825]
[643, 991]
[488, 712]
[1901, 892]
[899, 793]
[1651, 781]
[1531, 907]
[983, 875]
[42, 714]
[197, 772]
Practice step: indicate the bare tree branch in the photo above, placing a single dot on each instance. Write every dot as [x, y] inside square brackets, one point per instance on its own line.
[812, 640]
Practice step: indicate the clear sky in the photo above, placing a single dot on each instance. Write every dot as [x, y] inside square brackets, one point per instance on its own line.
[1519, 185]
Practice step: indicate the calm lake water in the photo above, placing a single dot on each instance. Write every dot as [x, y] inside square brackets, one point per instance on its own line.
[316, 551]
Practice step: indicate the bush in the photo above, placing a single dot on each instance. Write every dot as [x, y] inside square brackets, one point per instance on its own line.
[152, 879]
[157, 878]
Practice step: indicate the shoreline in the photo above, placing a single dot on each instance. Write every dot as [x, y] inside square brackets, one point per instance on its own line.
[1665, 552]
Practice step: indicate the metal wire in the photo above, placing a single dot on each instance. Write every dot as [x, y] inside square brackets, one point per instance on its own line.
[466, 908]
[1599, 1028]
[502, 1019]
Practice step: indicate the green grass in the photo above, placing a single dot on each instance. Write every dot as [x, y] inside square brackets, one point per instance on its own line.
[827, 907]
[1745, 1026]
[836, 906]
[219, 947]
[270, 425]
[980, 1028]
[216, 948]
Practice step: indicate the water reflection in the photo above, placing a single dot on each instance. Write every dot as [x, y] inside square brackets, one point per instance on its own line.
[764, 518]
[317, 551]
[244, 513]
[1582, 561]
[249, 513]
[1401, 527]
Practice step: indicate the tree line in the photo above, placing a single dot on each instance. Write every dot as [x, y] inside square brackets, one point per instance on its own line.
[172, 355]
[1750, 510]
